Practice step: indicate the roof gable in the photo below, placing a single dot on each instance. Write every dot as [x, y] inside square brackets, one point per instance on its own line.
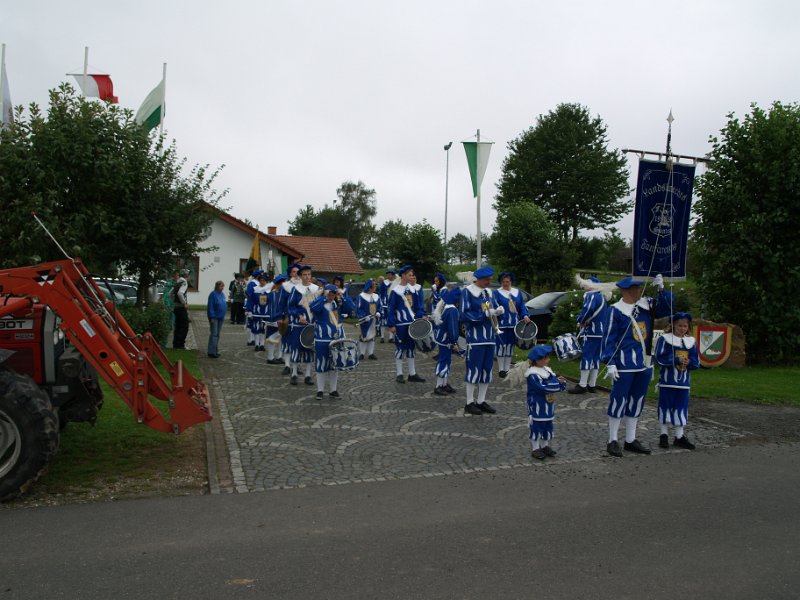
[324, 254]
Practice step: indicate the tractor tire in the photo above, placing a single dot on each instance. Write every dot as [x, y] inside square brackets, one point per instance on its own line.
[28, 433]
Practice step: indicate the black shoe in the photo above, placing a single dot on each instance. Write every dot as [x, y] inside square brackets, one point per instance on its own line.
[275, 361]
[663, 441]
[213, 356]
[286, 371]
[449, 388]
[578, 389]
[440, 391]
[319, 395]
[502, 374]
[548, 451]
[372, 357]
[360, 357]
[613, 449]
[383, 341]
[416, 378]
[683, 442]
[400, 379]
[334, 394]
[539, 454]
[487, 408]
[472, 409]
[293, 380]
[636, 447]
[251, 343]
[591, 389]
[308, 380]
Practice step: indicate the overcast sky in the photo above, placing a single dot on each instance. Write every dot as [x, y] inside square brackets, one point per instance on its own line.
[296, 97]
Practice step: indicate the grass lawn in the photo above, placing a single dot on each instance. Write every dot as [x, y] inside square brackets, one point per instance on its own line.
[118, 457]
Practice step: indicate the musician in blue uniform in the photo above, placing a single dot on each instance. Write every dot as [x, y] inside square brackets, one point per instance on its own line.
[327, 327]
[275, 313]
[445, 334]
[404, 305]
[256, 308]
[438, 288]
[286, 289]
[298, 307]
[677, 355]
[249, 325]
[368, 314]
[626, 352]
[510, 299]
[592, 320]
[543, 384]
[479, 313]
[383, 292]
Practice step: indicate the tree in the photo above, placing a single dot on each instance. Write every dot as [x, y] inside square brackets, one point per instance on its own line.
[382, 245]
[747, 222]
[564, 166]
[421, 248]
[110, 193]
[462, 248]
[526, 242]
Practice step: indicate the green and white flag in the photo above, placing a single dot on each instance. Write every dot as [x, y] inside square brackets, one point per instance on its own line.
[477, 159]
[153, 109]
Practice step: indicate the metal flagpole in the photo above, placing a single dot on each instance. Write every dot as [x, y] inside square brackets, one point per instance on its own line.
[2, 93]
[446, 186]
[85, 67]
[670, 119]
[478, 150]
[163, 101]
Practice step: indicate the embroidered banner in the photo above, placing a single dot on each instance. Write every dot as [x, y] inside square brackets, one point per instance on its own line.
[661, 219]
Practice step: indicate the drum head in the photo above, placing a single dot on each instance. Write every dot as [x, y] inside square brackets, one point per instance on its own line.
[420, 329]
[307, 337]
[526, 332]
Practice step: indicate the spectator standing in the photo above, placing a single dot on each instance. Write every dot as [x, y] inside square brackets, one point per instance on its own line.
[180, 310]
[216, 309]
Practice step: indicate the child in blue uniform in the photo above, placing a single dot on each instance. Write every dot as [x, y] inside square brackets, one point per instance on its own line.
[369, 314]
[446, 337]
[676, 353]
[543, 384]
[327, 327]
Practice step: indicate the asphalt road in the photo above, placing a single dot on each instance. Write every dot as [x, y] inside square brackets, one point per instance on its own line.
[714, 523]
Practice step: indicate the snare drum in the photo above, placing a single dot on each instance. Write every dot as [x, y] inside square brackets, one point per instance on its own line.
[526, 334]
[421, 331]
[344, 354]
[307, 337]
[567, 347]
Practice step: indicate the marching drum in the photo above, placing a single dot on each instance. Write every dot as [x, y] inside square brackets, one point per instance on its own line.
[307, 337]
[567, 347]
[421, 331]
[344, 354]
[526, 334]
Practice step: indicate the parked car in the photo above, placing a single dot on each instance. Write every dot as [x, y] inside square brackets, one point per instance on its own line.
[541, 309]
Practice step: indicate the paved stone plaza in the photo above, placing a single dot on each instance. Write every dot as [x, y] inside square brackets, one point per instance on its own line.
[272, 435]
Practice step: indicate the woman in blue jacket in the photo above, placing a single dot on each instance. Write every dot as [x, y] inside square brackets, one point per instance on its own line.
[216, 308]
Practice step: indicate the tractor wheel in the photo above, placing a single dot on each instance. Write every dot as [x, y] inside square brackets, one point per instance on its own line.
[28, 433]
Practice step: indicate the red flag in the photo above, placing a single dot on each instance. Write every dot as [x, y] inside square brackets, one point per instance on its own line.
[97, 86]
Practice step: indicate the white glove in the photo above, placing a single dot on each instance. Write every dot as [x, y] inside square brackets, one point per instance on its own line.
[248, 314]
[499, 311]
[612, 373]
[658, 282]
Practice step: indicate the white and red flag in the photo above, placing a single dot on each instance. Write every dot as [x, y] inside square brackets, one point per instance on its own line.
[94, 85]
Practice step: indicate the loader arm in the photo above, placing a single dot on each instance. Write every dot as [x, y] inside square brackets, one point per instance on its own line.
[126, 362]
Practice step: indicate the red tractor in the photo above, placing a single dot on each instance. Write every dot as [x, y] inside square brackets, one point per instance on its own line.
[58, 333]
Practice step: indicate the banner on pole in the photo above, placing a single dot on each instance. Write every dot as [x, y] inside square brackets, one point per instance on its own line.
[477, 159]
[661, 219]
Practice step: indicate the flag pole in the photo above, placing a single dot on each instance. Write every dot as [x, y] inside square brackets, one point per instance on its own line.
[2, 79]
[85, 67]
[163, 101]
[478, 260]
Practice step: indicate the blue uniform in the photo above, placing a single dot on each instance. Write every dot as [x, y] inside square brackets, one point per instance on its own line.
[327, 327]
[674, 379]
[256, 305]
[298, 304]
[629, 330]
[515, 309]
[481, 337]
[405, 305]
[445, 334]
[542, 385]
[368, 315]
[594, 316]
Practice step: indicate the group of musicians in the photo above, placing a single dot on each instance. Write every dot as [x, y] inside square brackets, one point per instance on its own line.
[283, 312]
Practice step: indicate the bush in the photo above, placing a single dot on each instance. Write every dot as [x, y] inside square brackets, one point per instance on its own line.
[154, 318]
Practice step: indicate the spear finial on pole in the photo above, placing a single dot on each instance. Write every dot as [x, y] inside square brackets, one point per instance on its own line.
[670, 119]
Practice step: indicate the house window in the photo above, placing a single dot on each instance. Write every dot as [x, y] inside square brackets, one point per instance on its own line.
[193, 265]
[243, 266]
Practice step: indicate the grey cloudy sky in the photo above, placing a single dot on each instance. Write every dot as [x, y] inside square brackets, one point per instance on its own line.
[295, 97]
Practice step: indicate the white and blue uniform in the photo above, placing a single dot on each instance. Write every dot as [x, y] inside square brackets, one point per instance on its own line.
[480, 333]
[515, 309]
[368, 314]
[256, 305]
[383, 294]
[404, 306]
[248, 321]
[594, 318]
[674, 378]
[297, 305]
[629, 330]
[445, 334]
[543, 384]
[275, 311]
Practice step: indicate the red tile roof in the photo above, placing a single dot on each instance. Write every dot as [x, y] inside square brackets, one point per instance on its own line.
[324, 254]
[293, 252]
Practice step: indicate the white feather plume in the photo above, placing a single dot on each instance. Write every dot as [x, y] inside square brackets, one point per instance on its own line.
[437, 312]
[605, 288]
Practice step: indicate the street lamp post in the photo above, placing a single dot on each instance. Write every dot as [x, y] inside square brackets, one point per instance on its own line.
[446, 186]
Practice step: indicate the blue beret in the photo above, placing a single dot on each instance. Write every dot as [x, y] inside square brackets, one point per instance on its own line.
[330, 288]
[280, 278]
[368, 284]
[452, 296]
[391, 271]
[405, 268]
[339, 277]
[442, 277]
[505, 274]
[258, 273]
[628, 282]
[593, 279]
[304, 268]
[295, 266]
[682, 315]
[483, 272]
[539, 352]
[322, 280]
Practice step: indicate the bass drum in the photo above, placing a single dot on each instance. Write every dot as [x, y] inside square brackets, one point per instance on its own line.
[421, 331]
[567, 347]
[344, 354]
[307, 337]
[526, 334]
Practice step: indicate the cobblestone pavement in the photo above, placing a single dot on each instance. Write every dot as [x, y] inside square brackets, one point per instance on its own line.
[280, 436]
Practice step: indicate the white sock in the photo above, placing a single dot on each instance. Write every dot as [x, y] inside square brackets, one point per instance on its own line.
[271, 351]
[321, 382]
[333, 380]
[440, 381]
[370, 348]
[250, 336]
[398, 363]
[593, 377]
[630, 428]
[507, 365]
[534, 444]
[678, 431]
[584, 378]
[613, 429]
[664, 429]
[412, 366]
[308, 369]
[287, 359]
[470, 393]
[294, 369]
[259, 339]
[543, 443]
[482, 388]
[362, 348]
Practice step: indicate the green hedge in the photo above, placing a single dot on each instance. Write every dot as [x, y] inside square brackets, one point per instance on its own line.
[154, 318]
